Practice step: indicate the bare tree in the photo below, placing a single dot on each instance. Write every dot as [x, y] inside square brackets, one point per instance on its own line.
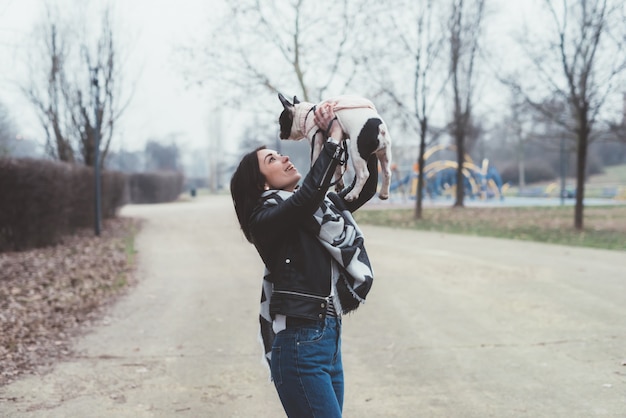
[519, 127]
[7, 131]
[76, 92]
[267, 47]
[464, 28]
[414, 44]
[425, 97]
[48, 98]
[579, 62]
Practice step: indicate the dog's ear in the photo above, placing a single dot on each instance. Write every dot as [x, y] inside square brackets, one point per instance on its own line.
[295, 100]
[284, 101]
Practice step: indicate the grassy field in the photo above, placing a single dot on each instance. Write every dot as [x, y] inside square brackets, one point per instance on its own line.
[608, 184]
[605, 226]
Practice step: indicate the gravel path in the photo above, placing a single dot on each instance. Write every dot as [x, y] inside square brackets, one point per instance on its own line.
[454, 326]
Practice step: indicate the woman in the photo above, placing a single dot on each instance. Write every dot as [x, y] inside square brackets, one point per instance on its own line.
[316, 267]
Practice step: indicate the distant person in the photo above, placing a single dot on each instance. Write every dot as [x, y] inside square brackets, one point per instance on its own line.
[316, 267]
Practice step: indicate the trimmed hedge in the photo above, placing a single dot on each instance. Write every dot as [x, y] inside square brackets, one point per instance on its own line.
[42, 200]
[82, 205]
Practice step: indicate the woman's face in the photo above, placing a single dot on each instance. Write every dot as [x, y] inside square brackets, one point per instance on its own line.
[279, 172]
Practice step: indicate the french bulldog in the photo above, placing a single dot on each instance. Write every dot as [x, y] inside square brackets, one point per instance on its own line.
[359, 121]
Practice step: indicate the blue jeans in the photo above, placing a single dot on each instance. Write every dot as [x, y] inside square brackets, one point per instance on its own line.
[307, 370]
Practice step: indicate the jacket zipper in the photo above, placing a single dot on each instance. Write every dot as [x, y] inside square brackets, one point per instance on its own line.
[301, 294]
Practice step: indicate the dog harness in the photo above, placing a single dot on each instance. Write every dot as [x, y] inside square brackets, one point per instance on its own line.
[307, 125]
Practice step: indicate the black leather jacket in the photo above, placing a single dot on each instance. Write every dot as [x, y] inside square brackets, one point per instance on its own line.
[300, 267]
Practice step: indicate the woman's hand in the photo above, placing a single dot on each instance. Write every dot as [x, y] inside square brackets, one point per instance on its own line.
[325, 119]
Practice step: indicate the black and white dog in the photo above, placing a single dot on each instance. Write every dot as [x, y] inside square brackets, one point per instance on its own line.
[359, 121]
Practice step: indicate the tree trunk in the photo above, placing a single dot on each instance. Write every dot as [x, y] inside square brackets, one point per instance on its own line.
[581, 166]
[460, 157]
[420, 169]
[521, 165]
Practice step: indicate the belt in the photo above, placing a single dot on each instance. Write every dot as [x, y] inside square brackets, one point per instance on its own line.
[295, 322]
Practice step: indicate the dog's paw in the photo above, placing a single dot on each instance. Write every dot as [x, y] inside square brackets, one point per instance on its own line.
[351, 196]
[382, 196]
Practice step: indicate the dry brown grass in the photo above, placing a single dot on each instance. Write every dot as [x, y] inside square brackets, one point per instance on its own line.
[605, 226]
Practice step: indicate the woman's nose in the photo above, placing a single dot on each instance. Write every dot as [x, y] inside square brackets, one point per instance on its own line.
[285, 158]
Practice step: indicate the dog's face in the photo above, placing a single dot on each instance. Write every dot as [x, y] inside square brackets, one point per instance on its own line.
[286, 117]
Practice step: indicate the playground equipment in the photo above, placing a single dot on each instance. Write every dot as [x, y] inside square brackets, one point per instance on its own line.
[481, 182]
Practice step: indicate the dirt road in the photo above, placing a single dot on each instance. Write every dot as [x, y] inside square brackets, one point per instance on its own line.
[454, 327]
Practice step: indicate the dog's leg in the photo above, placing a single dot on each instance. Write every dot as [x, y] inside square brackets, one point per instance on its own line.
[359, 164]
[317, 142]
[384, 157]
[361, 175]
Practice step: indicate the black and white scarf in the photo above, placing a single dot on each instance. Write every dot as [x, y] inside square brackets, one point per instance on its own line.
[340, 235]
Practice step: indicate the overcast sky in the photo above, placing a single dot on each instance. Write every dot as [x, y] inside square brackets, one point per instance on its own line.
[161, 105]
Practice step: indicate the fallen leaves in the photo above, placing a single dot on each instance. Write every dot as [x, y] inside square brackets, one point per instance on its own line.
[48, 294]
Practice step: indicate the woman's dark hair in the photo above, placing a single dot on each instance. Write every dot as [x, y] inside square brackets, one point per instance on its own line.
[246, 187]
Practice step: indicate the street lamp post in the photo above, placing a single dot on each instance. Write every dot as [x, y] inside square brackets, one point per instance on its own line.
[97, 180]
[563, 169]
